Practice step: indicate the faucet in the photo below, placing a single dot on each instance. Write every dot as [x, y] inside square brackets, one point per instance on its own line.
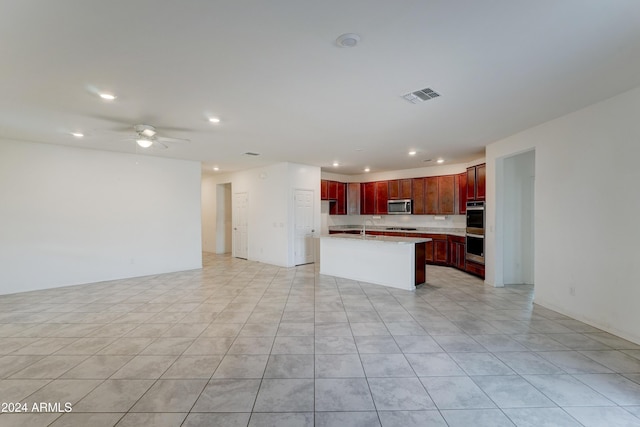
[364, 228]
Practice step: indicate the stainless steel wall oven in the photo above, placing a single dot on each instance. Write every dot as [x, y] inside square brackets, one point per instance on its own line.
[475, 232]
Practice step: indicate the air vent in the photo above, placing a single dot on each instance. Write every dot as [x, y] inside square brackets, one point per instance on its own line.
[249, 153]
[421, 95]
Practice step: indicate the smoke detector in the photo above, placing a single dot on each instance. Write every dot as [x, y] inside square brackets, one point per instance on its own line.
[421, 95]
[348, 40]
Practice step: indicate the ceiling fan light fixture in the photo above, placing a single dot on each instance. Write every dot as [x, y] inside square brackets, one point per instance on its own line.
[144, 142]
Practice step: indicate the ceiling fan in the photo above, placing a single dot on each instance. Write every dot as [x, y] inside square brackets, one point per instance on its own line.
[147, 136]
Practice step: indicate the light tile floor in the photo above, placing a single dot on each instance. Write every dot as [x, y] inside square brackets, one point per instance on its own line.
[242, 343]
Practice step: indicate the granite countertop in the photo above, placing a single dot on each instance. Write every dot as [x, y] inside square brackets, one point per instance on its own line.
[382, 239]
[418, 230]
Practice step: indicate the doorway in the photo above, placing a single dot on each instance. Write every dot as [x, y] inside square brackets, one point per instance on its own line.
[517, 218]
[303, 220]
[240, 225]
[223, 219]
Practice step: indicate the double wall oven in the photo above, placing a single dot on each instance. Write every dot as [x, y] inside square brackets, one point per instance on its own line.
[475, 232]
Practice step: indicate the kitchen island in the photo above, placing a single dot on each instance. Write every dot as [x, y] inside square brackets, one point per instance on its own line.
[392, 261]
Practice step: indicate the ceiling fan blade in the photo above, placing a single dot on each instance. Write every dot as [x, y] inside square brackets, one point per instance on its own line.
[171, 140]
[157, 145]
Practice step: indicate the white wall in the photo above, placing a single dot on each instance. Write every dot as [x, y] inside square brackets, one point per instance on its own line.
[72, 215]
[208, 206]
[586, 210]
[518, 227]
[223, 219]
[270, 193]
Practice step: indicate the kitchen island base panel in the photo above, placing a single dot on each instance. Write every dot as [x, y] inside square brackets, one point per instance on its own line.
[383, 263]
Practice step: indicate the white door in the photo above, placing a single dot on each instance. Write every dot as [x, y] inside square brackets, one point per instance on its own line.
[304, 243]
[240, 236]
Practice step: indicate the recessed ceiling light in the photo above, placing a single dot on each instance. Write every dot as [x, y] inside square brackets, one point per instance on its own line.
[348, 40]
[214, 120]
[107, 96]
[367, 169]
[440, 160]
[215, 168]
[412, 153]
[77, 134]
[336, 164]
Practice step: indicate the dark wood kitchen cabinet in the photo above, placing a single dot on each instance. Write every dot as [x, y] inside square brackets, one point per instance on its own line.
[440, 196]
[436, 251]
[373, 198]
[417, 188]
[476, 182]
[461, 193]
[333, 190]
[457, 252]
[339, 205]
[446, 195]
[399, 189]
[431, 195]
[381, 197]
[367, 198]
[324, 189]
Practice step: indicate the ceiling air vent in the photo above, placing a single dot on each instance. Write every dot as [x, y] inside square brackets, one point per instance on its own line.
[421, 95]
[249, 153]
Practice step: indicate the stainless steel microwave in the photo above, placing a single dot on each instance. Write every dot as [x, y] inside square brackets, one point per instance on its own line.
[399, 207]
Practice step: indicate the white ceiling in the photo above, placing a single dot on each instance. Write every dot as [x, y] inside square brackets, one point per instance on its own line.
[282, 88]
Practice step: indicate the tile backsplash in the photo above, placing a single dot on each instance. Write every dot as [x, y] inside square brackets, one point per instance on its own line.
[449, 221]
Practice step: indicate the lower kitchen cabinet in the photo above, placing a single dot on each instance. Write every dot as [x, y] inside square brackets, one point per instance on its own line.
[457, 252]
[474, 268]
[436, 249]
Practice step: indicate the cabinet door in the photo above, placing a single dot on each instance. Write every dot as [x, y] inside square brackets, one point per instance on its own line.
[481, 175]
[382, 196]
[333, 190]
[446, 195]
[417, 186]
[405, 189]
[428, 257]
[341, 199]
[394, 189]
[367, 198]
[471, 183]
[440, 249]
[461, 248]
[324, 189]
[431, 203]
[462, 193]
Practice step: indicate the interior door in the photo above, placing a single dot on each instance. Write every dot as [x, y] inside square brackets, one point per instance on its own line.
[240, 225]
[303, 241]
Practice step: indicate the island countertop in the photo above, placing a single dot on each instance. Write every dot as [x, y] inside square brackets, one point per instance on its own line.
[379, 239]
[406, 230]
[392, 261]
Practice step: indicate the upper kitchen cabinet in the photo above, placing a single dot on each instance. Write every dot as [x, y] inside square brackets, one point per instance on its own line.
[324, 189]
[461, 192]
[338, 205]
[382, 196]
[440, 195]
[476, 178]
[417, 188]
[333, 190]
[399, 189]
[367, 198]
[373, 198]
